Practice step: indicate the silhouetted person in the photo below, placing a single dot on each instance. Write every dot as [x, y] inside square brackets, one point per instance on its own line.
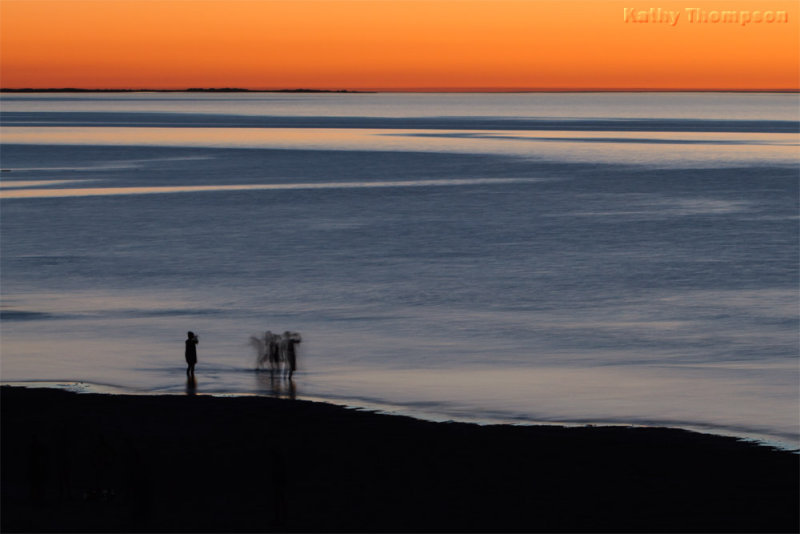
[191, 352]
[291, 339]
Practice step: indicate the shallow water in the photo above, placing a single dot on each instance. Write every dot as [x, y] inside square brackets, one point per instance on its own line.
[577, 258]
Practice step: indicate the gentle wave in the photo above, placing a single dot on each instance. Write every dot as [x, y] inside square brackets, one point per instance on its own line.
[173, 120]
[111, 191]
[536, 136]
[674, 149]
[22, 184]
[19, 315]
[25, 315]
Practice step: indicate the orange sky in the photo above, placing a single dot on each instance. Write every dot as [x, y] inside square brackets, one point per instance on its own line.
[392, 44]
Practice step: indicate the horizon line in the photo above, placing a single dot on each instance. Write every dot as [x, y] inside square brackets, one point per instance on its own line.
[394, 90]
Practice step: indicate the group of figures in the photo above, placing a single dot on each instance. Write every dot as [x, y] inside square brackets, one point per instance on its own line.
[278, 352]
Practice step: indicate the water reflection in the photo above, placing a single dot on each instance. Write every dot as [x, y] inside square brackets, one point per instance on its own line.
[275, 385]
[191, 385]
[149, 190]
[608, 146]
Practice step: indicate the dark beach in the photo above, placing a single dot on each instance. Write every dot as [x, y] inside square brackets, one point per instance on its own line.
[91, 462]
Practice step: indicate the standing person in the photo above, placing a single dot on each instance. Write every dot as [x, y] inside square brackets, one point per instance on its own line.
[191, 352]
[273, 352]
[291, 340]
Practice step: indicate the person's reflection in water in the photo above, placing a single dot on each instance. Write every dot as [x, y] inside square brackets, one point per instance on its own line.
[276, 386]
[191, 385]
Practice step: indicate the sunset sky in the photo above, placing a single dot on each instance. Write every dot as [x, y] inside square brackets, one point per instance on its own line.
[396, 44]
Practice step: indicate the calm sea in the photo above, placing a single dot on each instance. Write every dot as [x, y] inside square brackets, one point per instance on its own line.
[565, 258]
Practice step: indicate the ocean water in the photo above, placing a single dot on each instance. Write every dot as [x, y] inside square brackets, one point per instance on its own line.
[563, 258]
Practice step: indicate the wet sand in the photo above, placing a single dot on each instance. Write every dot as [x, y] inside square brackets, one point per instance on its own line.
[91, 462]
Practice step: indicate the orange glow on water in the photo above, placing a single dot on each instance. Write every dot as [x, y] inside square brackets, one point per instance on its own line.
[395, 44]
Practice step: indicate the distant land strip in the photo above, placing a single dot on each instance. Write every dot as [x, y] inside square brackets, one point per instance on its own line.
[188, 90]
[396, 90]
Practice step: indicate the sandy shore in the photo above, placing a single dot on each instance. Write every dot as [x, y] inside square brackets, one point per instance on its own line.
[94, 462]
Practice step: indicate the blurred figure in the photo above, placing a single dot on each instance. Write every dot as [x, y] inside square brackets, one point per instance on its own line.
[280, 351]
[290, 339]
[273, 352]
[261, 351]
[191, 352]
[282, 348]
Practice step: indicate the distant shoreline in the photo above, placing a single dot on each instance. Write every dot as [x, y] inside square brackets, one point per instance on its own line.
[189, 90]
[368, 91]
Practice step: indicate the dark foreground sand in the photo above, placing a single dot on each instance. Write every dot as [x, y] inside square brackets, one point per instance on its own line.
[167, 463]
